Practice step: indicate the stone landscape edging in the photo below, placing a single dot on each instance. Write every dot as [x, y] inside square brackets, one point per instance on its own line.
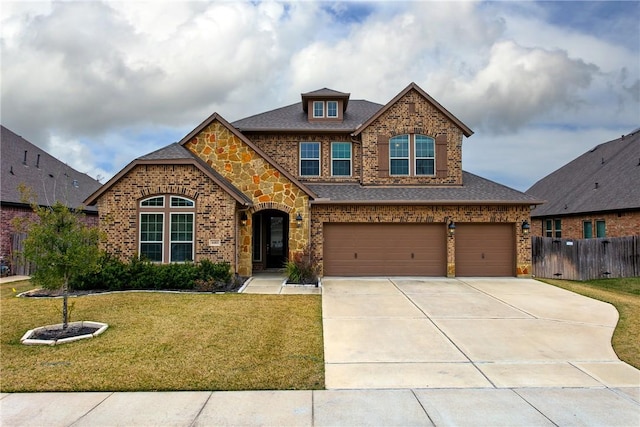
[85, 323]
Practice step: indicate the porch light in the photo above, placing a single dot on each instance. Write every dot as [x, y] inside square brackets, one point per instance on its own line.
[299, 220]
[452, 228]
[243, 218]
[526, 227]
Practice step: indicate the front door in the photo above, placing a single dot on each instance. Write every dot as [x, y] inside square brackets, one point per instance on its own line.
[277, 238]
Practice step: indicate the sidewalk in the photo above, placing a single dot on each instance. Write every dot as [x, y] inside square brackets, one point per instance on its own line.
[10, 279]
[419, 407]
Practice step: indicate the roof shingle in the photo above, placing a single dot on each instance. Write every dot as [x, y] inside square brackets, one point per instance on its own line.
[474, 190]
[50, 179]
[603, 179]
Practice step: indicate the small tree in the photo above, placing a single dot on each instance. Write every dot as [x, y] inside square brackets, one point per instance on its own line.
[61, 246]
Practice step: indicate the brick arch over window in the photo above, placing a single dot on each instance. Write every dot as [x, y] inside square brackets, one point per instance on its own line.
[173, 190]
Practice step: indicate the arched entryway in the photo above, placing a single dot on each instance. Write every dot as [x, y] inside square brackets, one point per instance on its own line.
[270, 239]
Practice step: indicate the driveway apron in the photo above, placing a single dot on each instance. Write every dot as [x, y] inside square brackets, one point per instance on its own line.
[385, 333]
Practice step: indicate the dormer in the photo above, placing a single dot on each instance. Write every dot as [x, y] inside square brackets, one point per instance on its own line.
[325, 105]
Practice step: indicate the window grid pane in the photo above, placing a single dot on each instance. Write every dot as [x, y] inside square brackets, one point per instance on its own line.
[151, 251]
[151, 228]
[318, 109]
[181, 227]
[587, 230]
[341, 158]
[399, 155]
[310, 158]
[153, 202]
[180, 202]
[600, 229]
[332, 109]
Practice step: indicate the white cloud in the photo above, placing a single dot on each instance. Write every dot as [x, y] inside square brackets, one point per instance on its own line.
[111, 81]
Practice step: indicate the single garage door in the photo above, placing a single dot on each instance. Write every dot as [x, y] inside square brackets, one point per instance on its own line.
[485, 250]
[384, 249]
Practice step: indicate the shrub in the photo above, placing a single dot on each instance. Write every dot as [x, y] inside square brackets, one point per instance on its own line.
[301, 268]
[116, 275]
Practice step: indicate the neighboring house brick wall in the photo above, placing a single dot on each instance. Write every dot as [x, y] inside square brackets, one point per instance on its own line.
[8, 215]
[426, 214]
[284, 149]
[616, 224]
[215, 210]
[259, 180]
[425, 119]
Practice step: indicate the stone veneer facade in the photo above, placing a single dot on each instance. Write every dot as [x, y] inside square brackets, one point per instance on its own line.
[265, 185]
[322, 213]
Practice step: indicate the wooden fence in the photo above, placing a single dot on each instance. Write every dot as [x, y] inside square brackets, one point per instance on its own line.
[19, 266]
[586, 259]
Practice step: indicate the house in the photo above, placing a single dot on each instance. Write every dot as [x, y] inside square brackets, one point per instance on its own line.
[48, 179]
[368, 189]
[594, 195]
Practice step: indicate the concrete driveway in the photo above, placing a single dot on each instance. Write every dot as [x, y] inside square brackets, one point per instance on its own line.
[390, 333]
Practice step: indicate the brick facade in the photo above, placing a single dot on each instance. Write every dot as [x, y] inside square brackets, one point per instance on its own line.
[264, 166]
[8, 214]
[215, 210]
[428, 214]
[617, 224]
[412, 114]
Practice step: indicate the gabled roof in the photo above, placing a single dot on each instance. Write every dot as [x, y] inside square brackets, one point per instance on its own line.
[292, 118]
[465, 129]
[174, 154]
[475, 190]
[50, 179]
[234, 131]
[605, 178]
[325, 93]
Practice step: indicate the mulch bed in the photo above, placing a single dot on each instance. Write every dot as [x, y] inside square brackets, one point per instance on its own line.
[58, 334]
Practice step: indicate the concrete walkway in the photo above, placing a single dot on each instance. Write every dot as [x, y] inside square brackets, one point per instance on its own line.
[400, 352]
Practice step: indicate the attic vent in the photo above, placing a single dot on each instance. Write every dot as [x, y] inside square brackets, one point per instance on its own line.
[75, 183]
[602, 162]
[596, 187]
[38, 161]
[24, 161]
[11, 171]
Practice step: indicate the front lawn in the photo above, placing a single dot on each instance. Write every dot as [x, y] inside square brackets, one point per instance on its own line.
[164, 341]
[624, 295]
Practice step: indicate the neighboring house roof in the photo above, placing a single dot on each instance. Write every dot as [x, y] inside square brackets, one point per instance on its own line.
[283, 171]
[292, 118]
[475, 190]
[465, 129]
[50, 179]
[603, 179]
[174, 154]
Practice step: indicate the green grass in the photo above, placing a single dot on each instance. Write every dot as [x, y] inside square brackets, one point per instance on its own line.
[624, 295]
[160, 341]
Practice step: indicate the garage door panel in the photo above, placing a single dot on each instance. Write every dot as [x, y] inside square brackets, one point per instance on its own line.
[485, 250]
[384, 249]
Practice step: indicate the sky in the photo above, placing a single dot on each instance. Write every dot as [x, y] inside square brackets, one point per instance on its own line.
[100, 83]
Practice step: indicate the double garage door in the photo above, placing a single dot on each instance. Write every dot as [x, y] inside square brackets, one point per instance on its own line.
[417, 249]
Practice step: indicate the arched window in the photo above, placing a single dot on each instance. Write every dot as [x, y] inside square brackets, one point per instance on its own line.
[412, 155]
[166, 231]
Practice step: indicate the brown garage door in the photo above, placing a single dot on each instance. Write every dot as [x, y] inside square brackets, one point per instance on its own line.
[485, 250]
[384, 249]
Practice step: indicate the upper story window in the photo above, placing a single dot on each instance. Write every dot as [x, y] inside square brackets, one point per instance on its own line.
[341, 158]
[310, 159]
[399, 155]
[166, 232]
[332, 109]
[553, 228]
[425, 155]
[587, 229]
[318, 109]
[601, 229]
